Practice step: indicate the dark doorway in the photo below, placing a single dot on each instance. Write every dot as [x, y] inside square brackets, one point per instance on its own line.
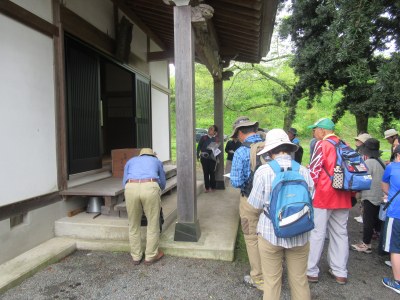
[118, 107]
[108, 105]
[83, 107]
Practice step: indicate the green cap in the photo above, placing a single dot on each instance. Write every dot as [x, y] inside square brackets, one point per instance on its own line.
[323, 123]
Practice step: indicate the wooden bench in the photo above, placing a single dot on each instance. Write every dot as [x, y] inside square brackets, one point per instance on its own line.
[112, 191]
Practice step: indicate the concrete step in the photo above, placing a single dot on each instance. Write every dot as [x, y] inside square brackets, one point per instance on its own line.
[14, 271]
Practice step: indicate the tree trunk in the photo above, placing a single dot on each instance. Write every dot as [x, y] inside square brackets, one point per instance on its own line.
[289, 116]
[362, 123]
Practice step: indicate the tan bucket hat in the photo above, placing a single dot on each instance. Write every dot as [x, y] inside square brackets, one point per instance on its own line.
[363, 137]
[390, 132]
[147, 151]
[241, 122]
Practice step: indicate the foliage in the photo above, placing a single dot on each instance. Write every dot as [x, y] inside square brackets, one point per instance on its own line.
[338, 46]
[260, 86]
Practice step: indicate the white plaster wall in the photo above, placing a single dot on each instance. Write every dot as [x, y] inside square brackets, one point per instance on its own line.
[139, 43]
[27, 114]
[154, 47]
[160, 124]
[99, 13]
[37, 228]
[159, 72]
[41, 8]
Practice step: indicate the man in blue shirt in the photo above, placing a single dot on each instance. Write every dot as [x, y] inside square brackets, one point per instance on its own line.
[144, 179]
[391, 239]
[245, 130]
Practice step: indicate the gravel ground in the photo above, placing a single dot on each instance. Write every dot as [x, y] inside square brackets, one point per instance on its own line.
[106, 275]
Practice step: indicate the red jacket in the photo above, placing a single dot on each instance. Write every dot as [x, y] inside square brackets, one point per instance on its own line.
[324, 158]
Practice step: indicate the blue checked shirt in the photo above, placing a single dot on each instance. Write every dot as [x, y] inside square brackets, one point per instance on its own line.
[259, 198]
[240, 171]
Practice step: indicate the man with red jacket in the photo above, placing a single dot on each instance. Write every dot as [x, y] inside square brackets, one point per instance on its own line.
[331, 207]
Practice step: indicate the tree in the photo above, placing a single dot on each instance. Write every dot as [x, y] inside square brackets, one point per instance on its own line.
[339, 45]
[266, 85]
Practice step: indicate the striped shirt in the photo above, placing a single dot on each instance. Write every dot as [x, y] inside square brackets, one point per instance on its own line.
[259, 198]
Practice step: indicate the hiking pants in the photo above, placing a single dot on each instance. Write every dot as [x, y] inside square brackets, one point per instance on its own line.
[209, 172]
[145, 197]
[272, 258]
[331, 222]
[249, 219]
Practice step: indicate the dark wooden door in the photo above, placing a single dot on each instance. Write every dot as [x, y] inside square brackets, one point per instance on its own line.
[82, 81]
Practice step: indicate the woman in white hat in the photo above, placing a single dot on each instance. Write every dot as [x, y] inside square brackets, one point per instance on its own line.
[273, 249]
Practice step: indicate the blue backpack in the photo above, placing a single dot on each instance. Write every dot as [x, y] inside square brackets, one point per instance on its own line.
[290, 209]
[350, 172]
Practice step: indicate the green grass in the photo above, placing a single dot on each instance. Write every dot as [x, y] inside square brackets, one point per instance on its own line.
[240, 247]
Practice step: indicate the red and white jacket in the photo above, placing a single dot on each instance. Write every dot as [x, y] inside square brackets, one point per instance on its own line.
[324, 158]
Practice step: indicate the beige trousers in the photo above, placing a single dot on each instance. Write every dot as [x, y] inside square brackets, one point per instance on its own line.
[145, 197]
[249, 218]
[296, 263]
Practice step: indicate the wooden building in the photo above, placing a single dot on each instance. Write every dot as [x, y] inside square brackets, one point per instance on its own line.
[81, 78]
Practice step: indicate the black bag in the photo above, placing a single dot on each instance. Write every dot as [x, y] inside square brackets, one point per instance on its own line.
[144, 219]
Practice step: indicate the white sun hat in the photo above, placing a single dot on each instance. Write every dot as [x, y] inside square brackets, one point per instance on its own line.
[276, 137]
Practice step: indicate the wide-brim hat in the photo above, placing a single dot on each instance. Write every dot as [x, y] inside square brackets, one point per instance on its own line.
[242, 122]
[363, 137]
[371, 148]
[276, 137]
[390, 132]
[324, 123]
[147, 151]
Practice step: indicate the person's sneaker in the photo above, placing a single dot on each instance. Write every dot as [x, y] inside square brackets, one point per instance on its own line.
[253, 283]
[339, 280]
[388, 263]
[362, 247]
[359, 219]
[312, 279]
[391, 284]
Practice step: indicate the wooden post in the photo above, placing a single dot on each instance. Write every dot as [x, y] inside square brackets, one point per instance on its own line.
[187, 227]
[219, 121]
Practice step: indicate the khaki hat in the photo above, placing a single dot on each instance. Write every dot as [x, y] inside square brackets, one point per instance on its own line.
[241, 122]
[276, 137]
[390, 132]
[147, 151]
[363, 137]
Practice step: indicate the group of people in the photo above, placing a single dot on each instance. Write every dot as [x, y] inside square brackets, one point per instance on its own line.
[144, 179]
[331, 206]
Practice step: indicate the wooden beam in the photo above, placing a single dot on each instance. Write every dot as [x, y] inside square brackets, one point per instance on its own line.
[160, 55]
[25, 206]
[228, 18]
[253, 4]
[27, 18]
[207, 44]
[82, 29]
[60, 100]
[138, 22]
[238, 11]
[267, 26]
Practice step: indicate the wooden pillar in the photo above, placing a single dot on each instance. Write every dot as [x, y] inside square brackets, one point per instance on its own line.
[219, 121]
[187, 227]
